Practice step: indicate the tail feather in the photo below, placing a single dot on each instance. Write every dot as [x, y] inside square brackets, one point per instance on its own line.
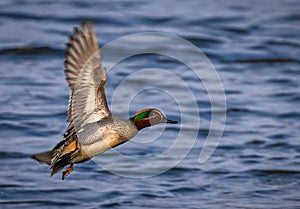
[60, 156]
[60, 164]
[44, 157]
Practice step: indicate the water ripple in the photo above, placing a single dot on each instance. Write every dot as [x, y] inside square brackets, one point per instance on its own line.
[254, 46]
[44, 50]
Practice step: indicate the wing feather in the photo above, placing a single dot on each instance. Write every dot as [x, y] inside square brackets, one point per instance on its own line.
[86, 78]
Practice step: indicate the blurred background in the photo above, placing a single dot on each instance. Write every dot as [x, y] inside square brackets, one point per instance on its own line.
[254, 46]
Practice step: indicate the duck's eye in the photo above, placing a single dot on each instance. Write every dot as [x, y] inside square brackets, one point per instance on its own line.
[153, 114]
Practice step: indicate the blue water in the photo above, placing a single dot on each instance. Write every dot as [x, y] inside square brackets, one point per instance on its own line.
[254, 46]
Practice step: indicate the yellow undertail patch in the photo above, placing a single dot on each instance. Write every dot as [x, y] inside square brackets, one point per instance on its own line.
[70, 148]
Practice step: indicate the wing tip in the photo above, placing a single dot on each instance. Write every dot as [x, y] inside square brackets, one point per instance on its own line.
[86, 24]
[81, 45]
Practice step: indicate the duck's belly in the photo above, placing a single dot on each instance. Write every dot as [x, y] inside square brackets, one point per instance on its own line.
[96, 148]
[101, 146]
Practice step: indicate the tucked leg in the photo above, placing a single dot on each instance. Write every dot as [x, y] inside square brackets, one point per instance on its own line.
[67, 171]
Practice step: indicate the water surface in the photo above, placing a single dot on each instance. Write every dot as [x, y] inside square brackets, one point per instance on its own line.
[254, 46]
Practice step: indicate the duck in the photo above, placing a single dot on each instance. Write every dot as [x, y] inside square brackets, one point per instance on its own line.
[92, 129]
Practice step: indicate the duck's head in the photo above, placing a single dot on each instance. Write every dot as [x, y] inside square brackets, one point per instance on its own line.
[149, 117]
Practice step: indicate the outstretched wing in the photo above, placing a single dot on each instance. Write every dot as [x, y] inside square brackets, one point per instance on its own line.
[85, 77]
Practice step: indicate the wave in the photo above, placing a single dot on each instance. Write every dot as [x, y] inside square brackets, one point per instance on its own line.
[31, 50]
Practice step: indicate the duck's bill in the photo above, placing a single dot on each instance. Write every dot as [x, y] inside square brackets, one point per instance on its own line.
[171, 121]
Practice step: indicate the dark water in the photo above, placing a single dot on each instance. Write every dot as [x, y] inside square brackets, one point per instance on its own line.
[254, 45]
